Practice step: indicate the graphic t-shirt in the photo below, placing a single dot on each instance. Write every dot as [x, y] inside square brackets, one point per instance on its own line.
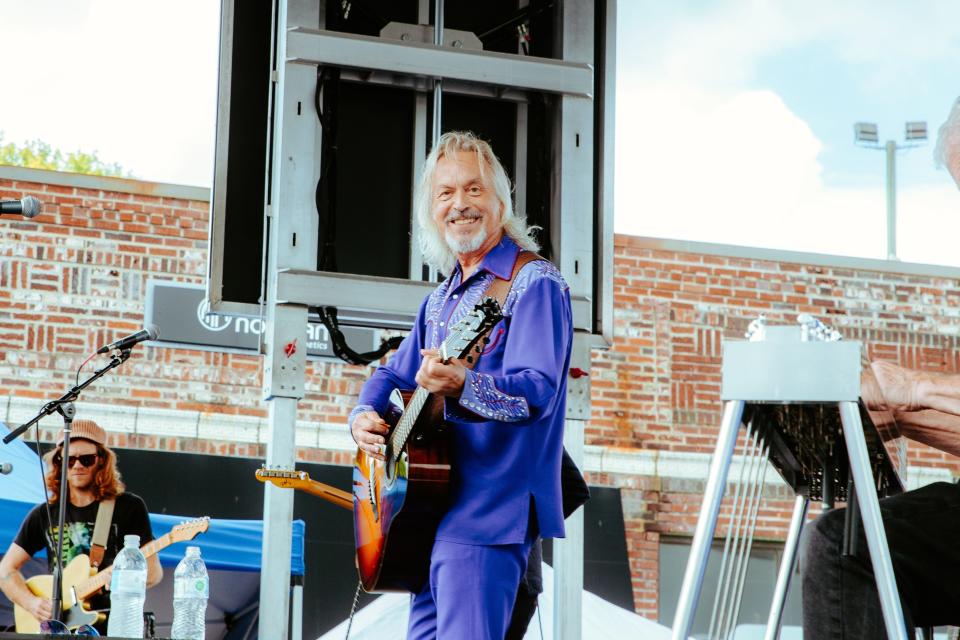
[129, 518]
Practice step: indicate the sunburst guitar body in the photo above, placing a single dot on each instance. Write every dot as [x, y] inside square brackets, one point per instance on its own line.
[398, 503]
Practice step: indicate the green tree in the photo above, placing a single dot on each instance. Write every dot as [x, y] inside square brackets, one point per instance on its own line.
[37, 154]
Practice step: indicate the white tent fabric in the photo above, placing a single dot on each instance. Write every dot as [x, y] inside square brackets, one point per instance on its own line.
[386, 619]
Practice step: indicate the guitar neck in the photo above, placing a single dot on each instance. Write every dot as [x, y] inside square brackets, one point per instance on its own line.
[409, 418]
[330, 494]
[99, 581]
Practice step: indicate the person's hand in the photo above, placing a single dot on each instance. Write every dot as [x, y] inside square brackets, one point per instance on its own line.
[370, 433]
[40, 608]
[439, 378]
[899, 387]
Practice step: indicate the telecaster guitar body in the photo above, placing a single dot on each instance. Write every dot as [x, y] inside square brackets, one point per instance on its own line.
[75, 614]
[81, 580]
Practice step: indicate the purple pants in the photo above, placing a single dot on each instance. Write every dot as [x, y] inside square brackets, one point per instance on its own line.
[471, 592]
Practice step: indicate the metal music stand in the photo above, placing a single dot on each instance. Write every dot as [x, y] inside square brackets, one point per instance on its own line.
[802, 366]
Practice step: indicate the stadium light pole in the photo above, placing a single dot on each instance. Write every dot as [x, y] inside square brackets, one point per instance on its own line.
[865, 135]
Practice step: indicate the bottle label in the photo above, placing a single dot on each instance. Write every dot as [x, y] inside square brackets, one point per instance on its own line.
[128, 581]
[191, 588]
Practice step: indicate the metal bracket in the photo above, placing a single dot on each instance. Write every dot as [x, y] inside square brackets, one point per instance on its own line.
[313, 47]
[285, 363]
[424, 33]
[578, 378]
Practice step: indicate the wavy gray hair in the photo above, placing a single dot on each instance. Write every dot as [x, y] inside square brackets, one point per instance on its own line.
[435, 250]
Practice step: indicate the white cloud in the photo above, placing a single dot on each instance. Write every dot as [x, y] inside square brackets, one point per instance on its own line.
[135, 82]
[736, 165]
[744, 169]
[704, 153]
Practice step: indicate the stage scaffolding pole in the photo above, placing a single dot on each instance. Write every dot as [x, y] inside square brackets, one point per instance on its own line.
[291, 218]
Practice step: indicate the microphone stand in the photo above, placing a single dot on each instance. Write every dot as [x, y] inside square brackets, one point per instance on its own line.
[67, 410]
[64, 406]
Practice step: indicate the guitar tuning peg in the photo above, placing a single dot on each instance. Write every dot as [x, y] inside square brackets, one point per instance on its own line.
[486, 341]
[470, 359]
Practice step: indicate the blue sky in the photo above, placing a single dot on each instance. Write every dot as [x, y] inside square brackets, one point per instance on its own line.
[734, 121]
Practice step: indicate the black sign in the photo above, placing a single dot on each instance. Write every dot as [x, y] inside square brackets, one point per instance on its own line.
[181, 313]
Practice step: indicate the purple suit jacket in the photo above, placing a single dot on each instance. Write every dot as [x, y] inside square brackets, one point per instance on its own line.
[507, 425]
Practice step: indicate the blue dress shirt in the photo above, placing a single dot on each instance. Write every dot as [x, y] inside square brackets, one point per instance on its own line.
[507, 425]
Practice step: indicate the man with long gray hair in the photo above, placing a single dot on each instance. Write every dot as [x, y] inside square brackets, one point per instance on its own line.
[505, 414]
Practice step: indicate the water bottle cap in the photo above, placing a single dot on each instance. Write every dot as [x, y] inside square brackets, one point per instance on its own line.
[131, 540]
[193, 550]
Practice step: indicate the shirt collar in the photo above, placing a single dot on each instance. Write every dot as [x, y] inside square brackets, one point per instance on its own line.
[500, 260]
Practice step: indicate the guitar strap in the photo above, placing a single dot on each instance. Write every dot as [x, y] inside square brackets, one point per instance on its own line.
[101, 531]
[500, 288]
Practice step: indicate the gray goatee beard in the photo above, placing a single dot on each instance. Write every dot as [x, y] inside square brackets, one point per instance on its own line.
[465, 245]
[461, 245]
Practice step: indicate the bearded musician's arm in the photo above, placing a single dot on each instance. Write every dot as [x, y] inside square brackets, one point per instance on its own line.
[926, 405]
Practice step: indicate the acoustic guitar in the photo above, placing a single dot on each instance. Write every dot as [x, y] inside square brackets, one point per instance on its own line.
[398, 503]
[80, 581]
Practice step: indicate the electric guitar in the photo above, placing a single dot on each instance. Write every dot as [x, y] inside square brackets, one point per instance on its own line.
[291, 479]
[399, 503]
[80, 581]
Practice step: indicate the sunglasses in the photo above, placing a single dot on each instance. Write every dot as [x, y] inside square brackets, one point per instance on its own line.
[86, 460]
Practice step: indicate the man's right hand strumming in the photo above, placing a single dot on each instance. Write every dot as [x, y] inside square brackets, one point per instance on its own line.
[370, 433]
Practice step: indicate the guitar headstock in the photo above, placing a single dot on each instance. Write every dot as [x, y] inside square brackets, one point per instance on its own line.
[285, 478]
[466, 333]
[190, 529]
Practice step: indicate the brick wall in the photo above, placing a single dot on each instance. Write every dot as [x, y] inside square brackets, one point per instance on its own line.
[75, 278]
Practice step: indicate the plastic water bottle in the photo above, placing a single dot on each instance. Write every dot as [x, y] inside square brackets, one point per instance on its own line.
[191, 588]
[128, 589]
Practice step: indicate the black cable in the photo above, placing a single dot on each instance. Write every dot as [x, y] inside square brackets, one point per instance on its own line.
[539, 620]
[503, 30]
[353, 609]
[362, 18]
[325, 197]
[328, 316]
[46, 493]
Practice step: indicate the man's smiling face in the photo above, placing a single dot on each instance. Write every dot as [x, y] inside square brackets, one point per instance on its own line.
[464, 204]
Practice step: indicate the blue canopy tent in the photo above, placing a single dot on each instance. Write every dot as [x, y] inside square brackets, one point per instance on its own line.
[230, 548]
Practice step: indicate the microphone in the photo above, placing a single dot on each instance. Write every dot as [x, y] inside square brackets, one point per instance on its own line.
[6, 468]
[28, 206]
[150, 332]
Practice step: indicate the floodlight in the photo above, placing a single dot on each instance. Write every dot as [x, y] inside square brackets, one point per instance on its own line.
[916, 131]
[866, 135]
[865, 132]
